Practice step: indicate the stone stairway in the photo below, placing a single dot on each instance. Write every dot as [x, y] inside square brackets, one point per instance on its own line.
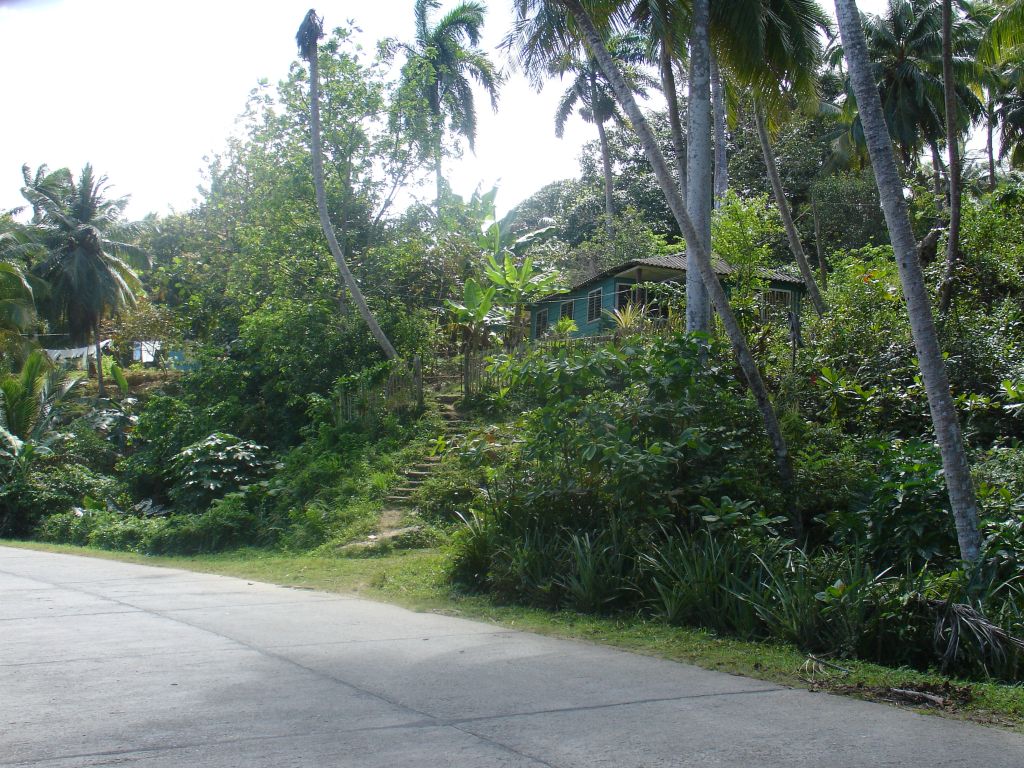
[454, 426]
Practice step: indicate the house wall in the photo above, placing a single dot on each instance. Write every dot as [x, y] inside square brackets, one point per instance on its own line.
[609, 289]
[580, 298]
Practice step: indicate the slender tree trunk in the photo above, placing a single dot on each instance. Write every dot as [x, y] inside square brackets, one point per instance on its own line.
[325, 220]
[699, 180]
[606, 163]
[668, 87]
[100, 389]
[933, 369]
[822, 268]
[792, 235]
[702, 255]
[718, 106]
[438, 176]
[953, 145]
[989, 145]
[938, 186]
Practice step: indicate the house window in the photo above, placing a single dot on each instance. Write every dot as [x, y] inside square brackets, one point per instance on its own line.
[630, 294]
[623, 296]
[542, 322]
[775, 302]
[594, 305]
[567, 310]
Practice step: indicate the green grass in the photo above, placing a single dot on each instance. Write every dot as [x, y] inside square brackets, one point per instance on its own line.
[416, 580]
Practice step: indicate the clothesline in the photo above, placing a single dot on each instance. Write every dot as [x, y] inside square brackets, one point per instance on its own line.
[74, 353]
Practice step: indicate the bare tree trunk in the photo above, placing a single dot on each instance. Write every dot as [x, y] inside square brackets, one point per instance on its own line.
[325, 220]
[668, 86]
[699, 180]
[953, 146]
[606, 162]
[933, 369]
[792, 235]
[100, 389]
[822, 269]
[702, 256]
[718, 106]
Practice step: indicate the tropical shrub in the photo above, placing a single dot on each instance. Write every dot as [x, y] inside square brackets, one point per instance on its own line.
[215, 466]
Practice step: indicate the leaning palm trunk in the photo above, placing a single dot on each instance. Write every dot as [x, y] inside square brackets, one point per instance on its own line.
[792, 235]
[718, 107]
[699, 181]
[309, 33]
[933, 368]
[952, 144]
[701, 254]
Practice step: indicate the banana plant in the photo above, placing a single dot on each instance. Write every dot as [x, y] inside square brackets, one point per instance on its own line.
[517, 286]
[475, 315]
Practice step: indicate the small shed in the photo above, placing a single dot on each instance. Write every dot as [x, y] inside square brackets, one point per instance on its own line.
[589, 301]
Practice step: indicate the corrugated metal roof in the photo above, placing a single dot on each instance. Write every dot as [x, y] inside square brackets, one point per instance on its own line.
[677, 261]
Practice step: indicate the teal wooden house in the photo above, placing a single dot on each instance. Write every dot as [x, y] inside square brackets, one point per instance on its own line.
[590, 301]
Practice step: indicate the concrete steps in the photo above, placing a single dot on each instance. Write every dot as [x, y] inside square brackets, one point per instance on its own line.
[414, 475]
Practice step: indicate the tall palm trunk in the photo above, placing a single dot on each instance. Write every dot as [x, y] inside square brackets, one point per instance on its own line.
[933, 369]
[668, 87]
[316, 152]
[699, 182]
[606, 164]
[953, 145]
[989, 147]
[702, 255]
[718, 107]
[792, 235]
[100, 389]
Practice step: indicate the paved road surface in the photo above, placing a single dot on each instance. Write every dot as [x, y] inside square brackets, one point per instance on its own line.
[105, 663]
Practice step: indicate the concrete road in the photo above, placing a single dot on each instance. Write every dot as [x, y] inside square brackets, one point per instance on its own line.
[105, 664]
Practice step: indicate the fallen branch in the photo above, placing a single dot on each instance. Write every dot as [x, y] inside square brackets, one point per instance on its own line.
[825, 663]
[920, 696]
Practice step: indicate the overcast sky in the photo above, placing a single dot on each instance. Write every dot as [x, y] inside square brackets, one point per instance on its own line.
[144, 90]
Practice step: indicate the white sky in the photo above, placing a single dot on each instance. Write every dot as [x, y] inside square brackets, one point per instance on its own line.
[143, 90]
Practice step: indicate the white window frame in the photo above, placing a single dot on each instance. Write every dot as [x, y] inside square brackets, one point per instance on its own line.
[597, 293]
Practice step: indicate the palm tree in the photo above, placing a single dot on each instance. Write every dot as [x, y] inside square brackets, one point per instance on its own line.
[905, 48]
[1008, 107]
[718, 112]
[960, 45]
[90, 276]
[17, 297]
[699, 165]
[590, 95]
[588, 32]
[1007, 28]
[307, 38]
[933, 369]
[788, 36]
[30, 399]
[666, 26]
[442, 61]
